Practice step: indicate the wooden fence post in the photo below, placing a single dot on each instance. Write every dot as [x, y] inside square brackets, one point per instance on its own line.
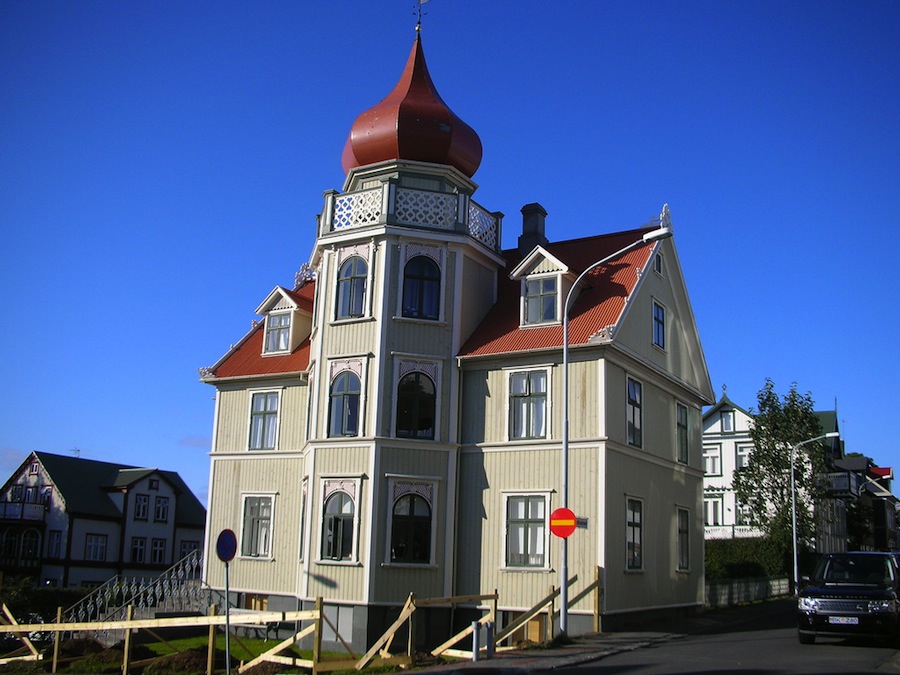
[56, 640]
[317, 636]
[411, 638]
[598, 596]
[126, 656]
[211, 647]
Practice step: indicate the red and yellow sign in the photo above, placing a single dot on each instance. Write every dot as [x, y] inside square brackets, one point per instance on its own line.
[562, 523]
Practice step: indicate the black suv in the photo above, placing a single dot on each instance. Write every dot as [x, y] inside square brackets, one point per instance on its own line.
[851, 595]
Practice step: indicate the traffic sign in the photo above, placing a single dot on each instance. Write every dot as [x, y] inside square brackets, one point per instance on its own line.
[562, 522]
[226, 545]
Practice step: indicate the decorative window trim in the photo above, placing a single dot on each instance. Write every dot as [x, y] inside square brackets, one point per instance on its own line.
[632, 526]
[350, 485]
[437, 254]
[548, 430]
[425, 487]
[344, 254]
[270, 553]
[433, 368]
[505, 496]
[250, 395]
[339, 368]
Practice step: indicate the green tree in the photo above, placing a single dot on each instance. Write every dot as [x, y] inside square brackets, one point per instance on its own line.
[764, 485]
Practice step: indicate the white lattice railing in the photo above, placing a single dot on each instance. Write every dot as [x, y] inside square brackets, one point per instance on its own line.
[391, 204]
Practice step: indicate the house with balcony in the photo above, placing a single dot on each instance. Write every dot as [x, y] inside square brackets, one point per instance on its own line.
[73, 522]
[393, 421]
[873, 525]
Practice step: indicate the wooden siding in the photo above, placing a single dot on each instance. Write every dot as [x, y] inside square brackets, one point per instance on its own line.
[232, 479]
[232, 431]
[478, 296]
[662, 490]
[486, 478]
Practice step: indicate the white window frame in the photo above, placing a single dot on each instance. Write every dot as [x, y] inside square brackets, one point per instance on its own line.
[726, 421]
[629, 409]
[142, 548]
[158, 546]
[713, 505]
[742, 453]
[96, 544]
[437, 255]
[424, 486]
[269, 553]
[432, 367]
[141, 507]
[278, 391]
[634, 526]
[161, 508]
[662, 326]
[509, 373]
[286, 330]
[712, 454]
[506, 495]
[352, 485]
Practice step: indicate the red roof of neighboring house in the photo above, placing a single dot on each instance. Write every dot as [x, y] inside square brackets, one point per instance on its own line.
[599, 304]
[882, 472]
[246, 358]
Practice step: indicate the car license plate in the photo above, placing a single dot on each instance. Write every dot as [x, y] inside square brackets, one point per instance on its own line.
[844, 620]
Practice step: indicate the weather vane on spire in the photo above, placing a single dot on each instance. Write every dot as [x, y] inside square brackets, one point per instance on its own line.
[419, 4]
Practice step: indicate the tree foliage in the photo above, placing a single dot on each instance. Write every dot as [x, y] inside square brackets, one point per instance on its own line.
[764, 485]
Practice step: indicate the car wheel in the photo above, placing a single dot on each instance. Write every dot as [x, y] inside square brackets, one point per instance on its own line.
[806, 638]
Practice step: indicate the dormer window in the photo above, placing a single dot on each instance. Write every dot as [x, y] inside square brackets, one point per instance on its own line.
[278, 332]
[540, 300]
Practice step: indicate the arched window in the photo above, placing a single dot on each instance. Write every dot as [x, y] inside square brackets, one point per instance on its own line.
[337, 528]
[31, 543]
[411, 530]
[415, 406]
[421, 288]
[351, 288]
[344, 400]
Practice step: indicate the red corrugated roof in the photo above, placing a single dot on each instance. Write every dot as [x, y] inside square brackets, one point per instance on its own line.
[597, 306]
[883, 471]
[247, 359]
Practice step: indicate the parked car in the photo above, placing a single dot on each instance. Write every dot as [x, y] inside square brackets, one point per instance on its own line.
[851, 595]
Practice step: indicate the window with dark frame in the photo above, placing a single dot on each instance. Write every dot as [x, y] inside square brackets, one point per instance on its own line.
[161, 510]
[411, 530]
[344, 405]
[141, 506]
[158, 551]
[337, 527]
[540, 300]
[415, 406]
[684, 540]
[351, 288]
[528, 404]
[634, 413]
[421, 288]
[256, 535]
[54, 543]
[138, 549]
[634, 534]
[526, 524]
[682, 432]
[95, 547]
[659, 325]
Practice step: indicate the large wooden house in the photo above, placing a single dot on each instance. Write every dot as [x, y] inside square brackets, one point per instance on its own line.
[393, 422]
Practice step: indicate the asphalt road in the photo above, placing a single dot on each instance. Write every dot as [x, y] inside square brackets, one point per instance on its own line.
[764, 642]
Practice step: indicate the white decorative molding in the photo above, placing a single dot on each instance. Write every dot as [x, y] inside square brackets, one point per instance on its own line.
[359, 250]
[424, 490]
[416, 248]
[332, 485]
[430, 368]
[355, 366]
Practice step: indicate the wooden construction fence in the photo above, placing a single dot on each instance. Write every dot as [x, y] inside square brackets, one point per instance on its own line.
[379, 653]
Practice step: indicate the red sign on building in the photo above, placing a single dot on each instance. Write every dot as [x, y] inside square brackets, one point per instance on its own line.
[562, 523]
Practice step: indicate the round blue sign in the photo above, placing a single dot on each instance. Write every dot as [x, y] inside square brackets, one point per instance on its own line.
[226, 545]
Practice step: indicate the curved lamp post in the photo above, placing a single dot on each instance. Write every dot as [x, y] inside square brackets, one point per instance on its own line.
[830, 434]
[662, 232]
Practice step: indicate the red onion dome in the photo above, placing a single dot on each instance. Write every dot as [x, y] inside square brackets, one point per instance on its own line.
[413, 123]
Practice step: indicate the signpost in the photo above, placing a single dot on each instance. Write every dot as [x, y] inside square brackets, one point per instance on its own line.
[226, 548]
[562, 522]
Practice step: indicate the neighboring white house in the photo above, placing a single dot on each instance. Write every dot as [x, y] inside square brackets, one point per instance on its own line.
[727, 447]
[70, 522]
[393, 423]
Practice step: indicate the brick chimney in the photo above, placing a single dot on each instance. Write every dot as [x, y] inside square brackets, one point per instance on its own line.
[533, 216]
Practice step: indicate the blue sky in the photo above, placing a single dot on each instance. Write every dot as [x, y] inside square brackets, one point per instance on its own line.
[162, 164]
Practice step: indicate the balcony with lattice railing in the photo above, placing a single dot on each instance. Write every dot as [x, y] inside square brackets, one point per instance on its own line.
[391, 204]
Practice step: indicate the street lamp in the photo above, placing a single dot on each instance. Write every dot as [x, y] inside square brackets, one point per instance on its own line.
[662, 232]
[830, 434]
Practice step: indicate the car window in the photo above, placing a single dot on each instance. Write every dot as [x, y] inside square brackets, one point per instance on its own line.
[863, 569]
